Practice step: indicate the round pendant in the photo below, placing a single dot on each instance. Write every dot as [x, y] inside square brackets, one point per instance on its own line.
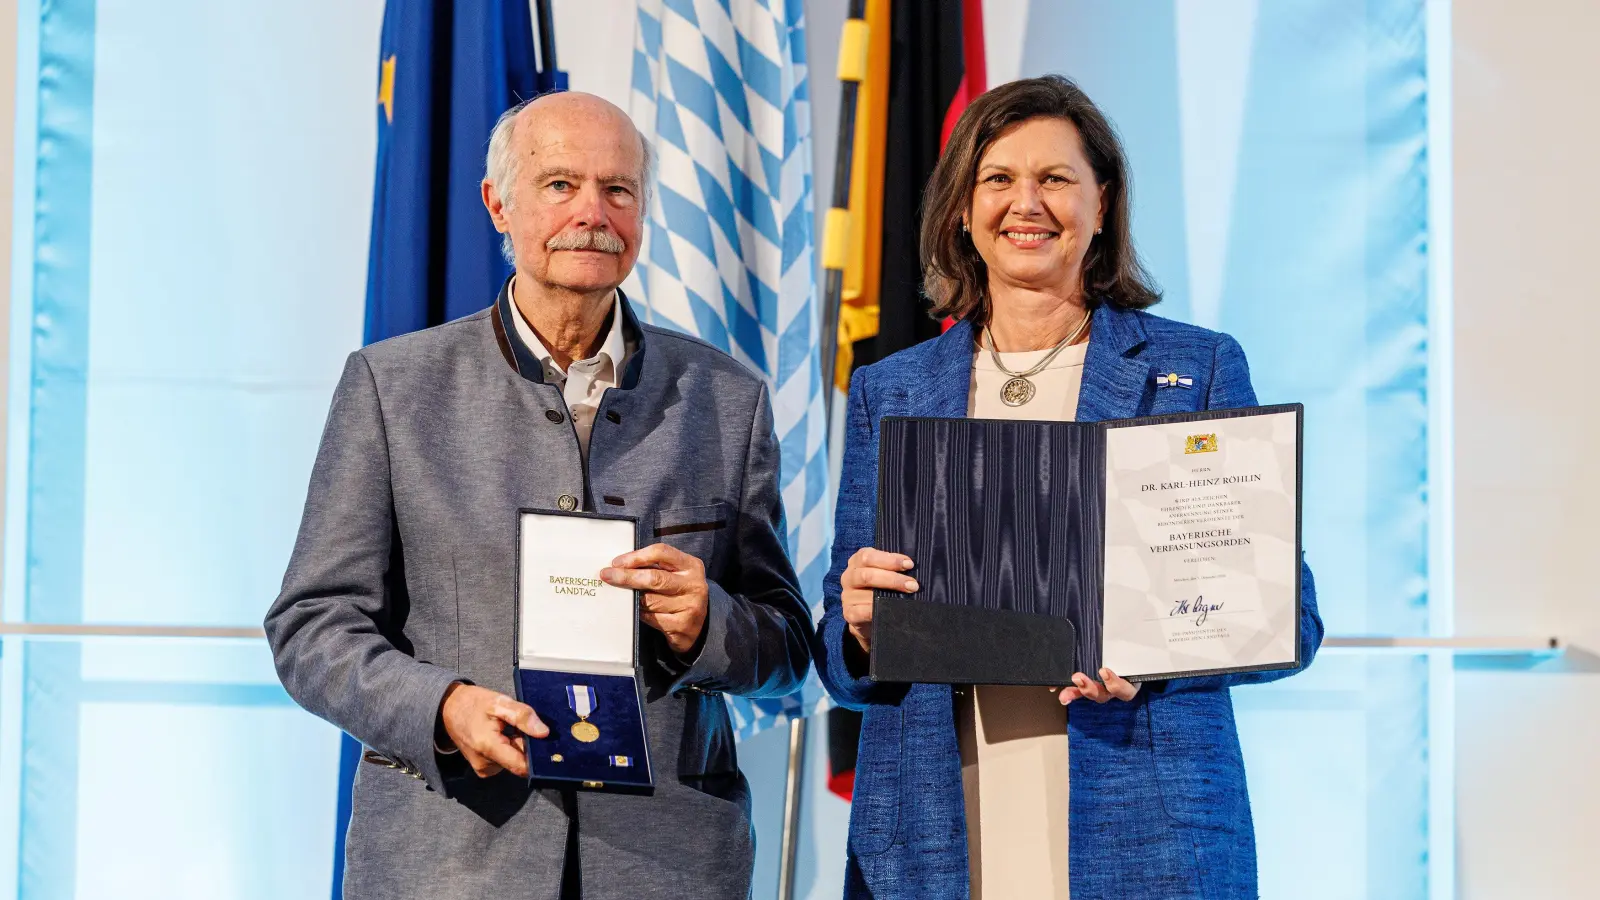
[1017, 391]
[585, 732]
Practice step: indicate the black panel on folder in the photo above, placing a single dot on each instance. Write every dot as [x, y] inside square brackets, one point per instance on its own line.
[915, 640]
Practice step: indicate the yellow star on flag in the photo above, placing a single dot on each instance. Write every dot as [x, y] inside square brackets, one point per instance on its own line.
[386, 89]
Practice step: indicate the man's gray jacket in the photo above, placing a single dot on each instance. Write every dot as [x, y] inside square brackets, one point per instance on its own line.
[402, 583]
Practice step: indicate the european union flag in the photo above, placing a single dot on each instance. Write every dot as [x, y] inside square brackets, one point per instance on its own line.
[447, 70]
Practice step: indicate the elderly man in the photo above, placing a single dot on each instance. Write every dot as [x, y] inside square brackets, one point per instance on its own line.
[396, 617]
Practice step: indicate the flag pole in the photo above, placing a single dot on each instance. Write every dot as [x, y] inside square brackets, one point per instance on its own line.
[836, 227]
[546, 36]
[550, 78]
[790, 859]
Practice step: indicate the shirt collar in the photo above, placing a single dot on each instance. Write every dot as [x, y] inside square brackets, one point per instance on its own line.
[612, 349]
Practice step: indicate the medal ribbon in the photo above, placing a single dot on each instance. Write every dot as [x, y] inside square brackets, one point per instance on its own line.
[581, 698]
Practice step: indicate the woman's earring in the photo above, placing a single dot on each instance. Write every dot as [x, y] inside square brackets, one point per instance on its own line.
[1097, 231]
[965, 229]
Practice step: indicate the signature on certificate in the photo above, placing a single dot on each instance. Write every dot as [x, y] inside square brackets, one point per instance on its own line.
[1198, 607]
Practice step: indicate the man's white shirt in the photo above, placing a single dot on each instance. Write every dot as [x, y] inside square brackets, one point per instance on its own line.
[585, 381]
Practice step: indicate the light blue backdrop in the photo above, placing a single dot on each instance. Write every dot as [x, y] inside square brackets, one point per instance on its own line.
[193, 192]
[193, 197]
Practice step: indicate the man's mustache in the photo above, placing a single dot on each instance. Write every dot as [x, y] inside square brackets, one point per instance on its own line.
[589, 239]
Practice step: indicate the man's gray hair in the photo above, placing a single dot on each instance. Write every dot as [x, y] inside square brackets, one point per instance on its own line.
[502, 166]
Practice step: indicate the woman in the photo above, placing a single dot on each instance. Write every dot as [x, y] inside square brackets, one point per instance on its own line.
[964, 791]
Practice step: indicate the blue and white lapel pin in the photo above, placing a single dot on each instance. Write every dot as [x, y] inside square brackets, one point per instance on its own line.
[1173, 379]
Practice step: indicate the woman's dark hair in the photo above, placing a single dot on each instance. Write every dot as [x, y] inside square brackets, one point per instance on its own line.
[954, 275]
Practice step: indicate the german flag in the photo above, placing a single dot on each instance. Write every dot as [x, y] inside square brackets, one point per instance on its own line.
[923, 64]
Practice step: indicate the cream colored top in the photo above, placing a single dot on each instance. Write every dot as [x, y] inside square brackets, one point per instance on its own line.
[1014, 739]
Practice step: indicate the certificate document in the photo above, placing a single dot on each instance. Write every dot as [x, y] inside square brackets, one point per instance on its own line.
[1201, 545]
[1171, 543]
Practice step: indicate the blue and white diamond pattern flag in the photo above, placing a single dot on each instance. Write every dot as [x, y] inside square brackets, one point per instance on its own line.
[720, 89]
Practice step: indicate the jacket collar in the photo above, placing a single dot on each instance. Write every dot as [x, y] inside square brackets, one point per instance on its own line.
[1114, 379]
[525, 360]
[949, 381]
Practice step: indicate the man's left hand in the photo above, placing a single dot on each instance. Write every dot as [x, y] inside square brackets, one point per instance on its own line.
[674, 587]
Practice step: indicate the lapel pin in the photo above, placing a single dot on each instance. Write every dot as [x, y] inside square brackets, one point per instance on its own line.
[1173, 379]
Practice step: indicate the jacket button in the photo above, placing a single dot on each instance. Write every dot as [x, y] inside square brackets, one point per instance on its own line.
[613, 416]
[553, 416]
[567, 502]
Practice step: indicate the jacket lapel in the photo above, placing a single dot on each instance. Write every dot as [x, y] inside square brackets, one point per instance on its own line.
[1115, 383]
[944, 394]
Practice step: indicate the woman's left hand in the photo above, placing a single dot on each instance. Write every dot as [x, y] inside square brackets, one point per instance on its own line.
[1088, 688]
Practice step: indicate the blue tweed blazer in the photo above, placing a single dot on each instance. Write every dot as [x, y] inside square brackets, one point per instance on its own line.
[1159, 806]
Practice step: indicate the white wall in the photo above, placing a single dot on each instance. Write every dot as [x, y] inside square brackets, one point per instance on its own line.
[1527, 312]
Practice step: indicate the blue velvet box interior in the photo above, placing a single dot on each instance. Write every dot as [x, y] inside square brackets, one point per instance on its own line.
[618, 761]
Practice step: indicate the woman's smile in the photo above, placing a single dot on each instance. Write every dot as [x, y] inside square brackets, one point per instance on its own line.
[1029, 238]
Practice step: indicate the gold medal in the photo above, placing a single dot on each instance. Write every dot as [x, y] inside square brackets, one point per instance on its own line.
[581, 698]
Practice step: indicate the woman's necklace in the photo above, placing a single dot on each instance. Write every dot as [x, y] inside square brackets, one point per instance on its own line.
[1018, 389]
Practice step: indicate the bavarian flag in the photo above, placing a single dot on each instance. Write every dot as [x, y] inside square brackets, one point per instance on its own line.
[925, 63]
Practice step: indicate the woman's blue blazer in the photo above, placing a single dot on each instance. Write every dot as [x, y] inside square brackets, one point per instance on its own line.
[1159, 806]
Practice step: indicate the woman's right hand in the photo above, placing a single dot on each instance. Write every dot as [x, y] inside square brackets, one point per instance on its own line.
[870, 568]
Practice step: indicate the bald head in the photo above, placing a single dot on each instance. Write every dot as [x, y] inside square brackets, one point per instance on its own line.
[566, 183]
[558, 113]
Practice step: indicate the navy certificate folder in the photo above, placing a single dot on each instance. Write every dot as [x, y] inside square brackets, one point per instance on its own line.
[1011, 533]
[576, 648]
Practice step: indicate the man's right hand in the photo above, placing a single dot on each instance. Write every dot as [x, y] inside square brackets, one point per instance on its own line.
[475, 718]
